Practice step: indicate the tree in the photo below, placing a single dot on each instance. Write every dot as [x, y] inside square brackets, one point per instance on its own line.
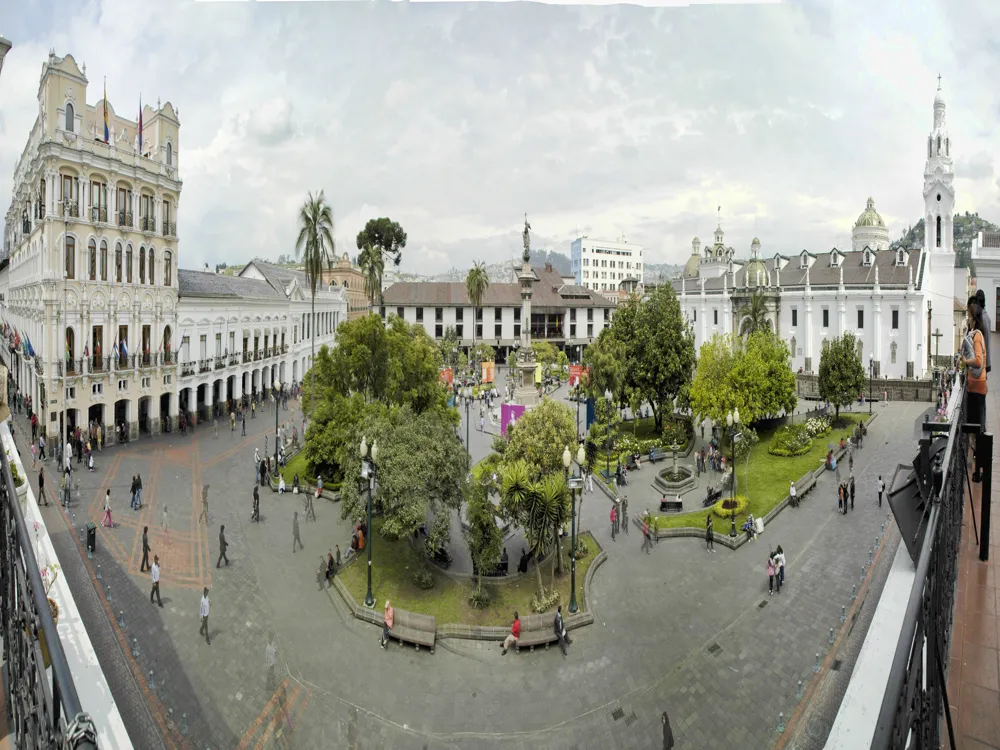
[545, 353]
[539, 436]
[753, 315]
[316, 247]
[605, 358]
[607, 417]
[372, 266]
[518, 497]
[476, 283]
[841, 374]
[449, 346]
[484, 537]
[382, 238]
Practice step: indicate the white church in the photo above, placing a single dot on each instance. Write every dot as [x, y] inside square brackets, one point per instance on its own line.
[900, 304]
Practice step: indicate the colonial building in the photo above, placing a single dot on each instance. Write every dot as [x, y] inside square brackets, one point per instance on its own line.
[345, 274]
[900, 304]
[564, 314]
[986, 257]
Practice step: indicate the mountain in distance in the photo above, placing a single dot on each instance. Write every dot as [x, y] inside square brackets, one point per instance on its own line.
[967, 228]
[657, 273]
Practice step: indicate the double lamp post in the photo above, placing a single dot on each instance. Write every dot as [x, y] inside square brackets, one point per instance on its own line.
[369, 461]
[733, 423]
[575, 489]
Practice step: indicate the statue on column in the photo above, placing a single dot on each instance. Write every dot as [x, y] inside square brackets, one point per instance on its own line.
[526, 236]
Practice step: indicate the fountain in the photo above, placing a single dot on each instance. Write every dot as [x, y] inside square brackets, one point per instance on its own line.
[675, 480]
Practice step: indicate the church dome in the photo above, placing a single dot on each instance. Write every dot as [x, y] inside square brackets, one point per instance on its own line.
[870, 217]
[692, 265]
[756, 273]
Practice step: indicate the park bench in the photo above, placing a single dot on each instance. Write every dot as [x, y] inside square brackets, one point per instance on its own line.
[671, 506]
[630, 463]
[417, 629]
[657, 454]
[713, 494]
[537, 630]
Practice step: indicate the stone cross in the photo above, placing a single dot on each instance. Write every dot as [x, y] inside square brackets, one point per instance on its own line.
[937, 340]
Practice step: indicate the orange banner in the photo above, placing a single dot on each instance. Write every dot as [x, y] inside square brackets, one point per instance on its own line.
[576, 373]
[489, 372]
[446, 375]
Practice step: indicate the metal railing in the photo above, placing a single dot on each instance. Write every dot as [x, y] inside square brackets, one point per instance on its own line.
[124, 218]
[99, 364]
[220, 362]
[170, 358]
[147, 361]
[915, 695]
[44, 713]
[204, 365]
[169, 228]
[39, 368]
[98, 214]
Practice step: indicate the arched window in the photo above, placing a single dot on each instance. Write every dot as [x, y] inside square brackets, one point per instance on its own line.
[104, 260]
[939, 144]
[70, 118]
[142, 265]
[118, 263]
[128, 264]
[946, 146]
[70, 258]
[166, 340]
[892, 353]
[937, 223]
[170, 154]
[92, 260]
[168, 271]
[792, 345]
[152, 267]
[70, 345]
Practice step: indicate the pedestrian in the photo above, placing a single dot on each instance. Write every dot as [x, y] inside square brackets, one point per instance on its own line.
[387, 618]
[295, 533]
[41, 447]
[880, 488]
[64, 488]
[840, 498]
[310, 510]
[255, 512]
[154, 573]
[223, 546]
[624, 517]
[34, 455]
[215, 426]
[204, 505]
[512, 636]
[770, 574]
[232, 421]
[107, 511]
[668, 733]
[590, 482]
[244, 422]
[164, 526]
[100, 438]
[780, 560]
[145, 550]
[131, 503]
[41, 487]
[203, 611]
[560, 630]
[614, 521]
[138, 490]
[646, 541]
[709, 534]
[852, 492]
[792, 494]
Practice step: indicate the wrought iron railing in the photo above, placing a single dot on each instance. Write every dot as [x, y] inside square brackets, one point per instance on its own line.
[39, 368]
[170, 358]
[99, 364]
[188, 368]
[98, 214]
[169, 228]
[204, 365]
[147, 361]
[915, 696]
[44, 712]
[147, 224]
[220, 362]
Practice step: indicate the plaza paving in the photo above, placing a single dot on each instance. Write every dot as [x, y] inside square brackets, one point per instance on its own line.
[679, 630]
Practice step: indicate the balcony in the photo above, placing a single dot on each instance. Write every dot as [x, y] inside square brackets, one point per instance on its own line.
[258, 355]
[234, 359]
[247, 357]
[147, 224]
[39, 368]
[204, 365]
[169, 358]
[73, 209]
[39, 211]
[147, 361]
[220, 363]
[169, 228]
[121, 362]
[98, 215]
[124, 219]
[70, 368]
[187, 369]
[99, 364]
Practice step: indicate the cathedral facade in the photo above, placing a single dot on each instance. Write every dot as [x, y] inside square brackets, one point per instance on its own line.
[899, 303]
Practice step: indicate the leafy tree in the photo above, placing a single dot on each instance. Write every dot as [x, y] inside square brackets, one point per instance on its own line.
[562, 362]
[607, 417]
[383, 239]
[483, 353]
[711, 394]
[484, 537]
[753, 315]
[539, 437]
[449, 346]
[518, 499]
[605, 358]
[553, 511]
[511, 360]
[316, 247]
[476, 283]
[333, 429]
[372, 266]
[841, 374]
[422, 469]
[545, 353]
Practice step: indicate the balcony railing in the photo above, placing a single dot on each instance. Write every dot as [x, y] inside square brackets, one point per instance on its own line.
[247, 357]
[220, 363]
[74, 210]
[147, 360]
[258, 355]
[188, 368]
[98, 215]
[234, 359]
[169, 228]
[44, 711]
[915, 695]
[170, 358]
[39, 211]
[147, 224]
[39, 368]
[121, 362]
[204, 365]
[99, 364]
[124, 218]
[70, 367]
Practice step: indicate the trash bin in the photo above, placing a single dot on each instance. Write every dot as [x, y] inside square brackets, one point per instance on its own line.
[92, 536]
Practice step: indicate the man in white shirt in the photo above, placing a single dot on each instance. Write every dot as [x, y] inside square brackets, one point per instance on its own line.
[155, 573]
[204, 616]
[792, 495]
[880, 488]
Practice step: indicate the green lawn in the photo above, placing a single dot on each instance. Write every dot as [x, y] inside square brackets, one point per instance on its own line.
[394, 562]
[297, 465]
[769, 477]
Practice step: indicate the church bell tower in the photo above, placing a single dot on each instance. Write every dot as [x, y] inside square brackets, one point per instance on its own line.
[939, 184]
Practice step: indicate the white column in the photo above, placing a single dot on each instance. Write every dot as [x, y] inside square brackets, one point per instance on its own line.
[807, 299]
[911, 333]
[842, 316]
[877, 346]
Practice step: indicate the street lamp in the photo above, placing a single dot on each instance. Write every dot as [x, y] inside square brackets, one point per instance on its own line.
[575, 488]
[467, 395]
[732, 422]
[607, 397]
[277, 393]
[368, 471]
[871, 378]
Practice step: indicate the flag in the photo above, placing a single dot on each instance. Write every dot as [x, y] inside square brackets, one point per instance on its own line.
[124, 348]
[31, 349]
[106, 109]
[97, 348]
[68, 358]
[140, 124]
[114, 349]
[147, 349]
[86, 351]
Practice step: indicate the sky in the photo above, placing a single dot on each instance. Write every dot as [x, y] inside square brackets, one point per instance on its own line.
[456, 119]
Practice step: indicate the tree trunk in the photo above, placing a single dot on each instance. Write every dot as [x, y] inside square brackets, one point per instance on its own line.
[538, 573]
[559, 561]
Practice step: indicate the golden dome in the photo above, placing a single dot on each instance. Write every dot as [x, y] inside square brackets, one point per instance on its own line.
[691, 268]
[870, 217]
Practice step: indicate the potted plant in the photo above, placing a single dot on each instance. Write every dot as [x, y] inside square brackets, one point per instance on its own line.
[20, 483]
[50, 573]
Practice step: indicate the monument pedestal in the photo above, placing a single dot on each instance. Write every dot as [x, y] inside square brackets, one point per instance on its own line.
[526, 392]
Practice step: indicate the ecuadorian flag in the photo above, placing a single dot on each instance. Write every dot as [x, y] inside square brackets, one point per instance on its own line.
[105, 109]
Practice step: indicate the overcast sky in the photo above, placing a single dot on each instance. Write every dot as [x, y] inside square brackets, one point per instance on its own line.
[456, 119]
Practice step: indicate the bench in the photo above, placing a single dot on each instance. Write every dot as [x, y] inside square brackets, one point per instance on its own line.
[537, 630]
[657, 454]
[420, 630]
[630, 464]
[671, 506]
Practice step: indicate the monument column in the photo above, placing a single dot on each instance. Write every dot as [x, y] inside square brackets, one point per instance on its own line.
[526, 393]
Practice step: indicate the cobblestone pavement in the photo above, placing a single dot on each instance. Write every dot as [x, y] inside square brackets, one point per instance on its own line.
[679, 630]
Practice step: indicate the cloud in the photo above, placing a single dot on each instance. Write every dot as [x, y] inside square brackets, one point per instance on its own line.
[456, 119]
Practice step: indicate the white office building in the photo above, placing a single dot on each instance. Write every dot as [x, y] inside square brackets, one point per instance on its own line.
[606, 266]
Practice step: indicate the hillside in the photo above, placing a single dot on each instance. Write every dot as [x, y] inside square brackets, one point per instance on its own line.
[967, 228]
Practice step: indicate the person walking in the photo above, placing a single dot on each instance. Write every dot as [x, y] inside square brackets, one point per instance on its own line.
[41, 447]
[244, 422]
[145, 550]
[106, 521]
[792, 494]
[295, 533]
[770, 574]
[154, 573]
[780, 566]
[614, 521]
[131, 502]
[42, 500]
[668, 733]
[310, 510]
[232, 421]
[590, 482]
[512, 636]
[204, 505]
[64, 489]
[387, 618]
[164, 526]
[255, 512]
[840, 498]
[203, 611]
[138, 490]
[34, 454]
[646, 541]
[624, 518]
[223, 546]
[852, 492]
[560, 630]
[709, 534]
[880, 488]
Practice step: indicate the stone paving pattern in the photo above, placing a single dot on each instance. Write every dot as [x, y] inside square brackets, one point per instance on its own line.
[648, 651]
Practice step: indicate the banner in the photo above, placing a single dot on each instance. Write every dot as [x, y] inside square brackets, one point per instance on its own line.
[538, 374]
[446, 375]
[578, 373]
[509, 414]
[489, 372]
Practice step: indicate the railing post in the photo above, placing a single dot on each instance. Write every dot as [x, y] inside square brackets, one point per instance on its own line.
[985, 441]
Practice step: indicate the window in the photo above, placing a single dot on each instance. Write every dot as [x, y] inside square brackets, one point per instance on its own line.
[572, 330]
[937, 232]
[67, 188]
[70, 118]
[479, 330]
[92, 260]
[104, 260]
[152, 267]
[118, 264]
[572, 315]
[498, 330]
[399, 313]
[479, 314]
[420, 315]
[590, 315]
[826, 317]
[517, 331]
[715, 316]
[694, 314]
[438, 314]
[142, 265]
[70, 258]
[438, 331]
[458, 330]
[861, 318]
[517, 316]
[590, 330]
[232, 340]
[606, 311]
[218, 345]
[203, 346]
[895, 318]
[128, 264]
[170, 154]
[166, 217]
[459, 314]
[497, 314]
[795, 317]
[168, 270]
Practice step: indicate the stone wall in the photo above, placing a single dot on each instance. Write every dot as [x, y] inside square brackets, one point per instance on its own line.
[901, 389]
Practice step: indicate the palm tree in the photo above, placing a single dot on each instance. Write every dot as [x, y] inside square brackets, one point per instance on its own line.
[476, 283]
[553, 510]
[372, 265]
[520, 499]
[316, 247]
[754, 315]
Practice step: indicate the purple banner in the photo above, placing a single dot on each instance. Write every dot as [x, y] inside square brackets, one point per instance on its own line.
[509, 413]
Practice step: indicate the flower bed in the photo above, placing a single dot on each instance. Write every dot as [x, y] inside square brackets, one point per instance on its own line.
[796, 439]
[725, 507]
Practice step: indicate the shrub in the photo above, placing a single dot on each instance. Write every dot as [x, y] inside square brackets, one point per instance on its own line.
[724, 507]
[791, 440]
[675, 433]
[817, 426]
[423, 579]
[480, 598]
[548, 600]
[582, 550]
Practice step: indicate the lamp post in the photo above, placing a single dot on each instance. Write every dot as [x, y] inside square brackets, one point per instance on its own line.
[732, 422]
[368, 471]
[467, 395]
[607, 469]
[871, 379]
[276, 386]
[575, 488]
